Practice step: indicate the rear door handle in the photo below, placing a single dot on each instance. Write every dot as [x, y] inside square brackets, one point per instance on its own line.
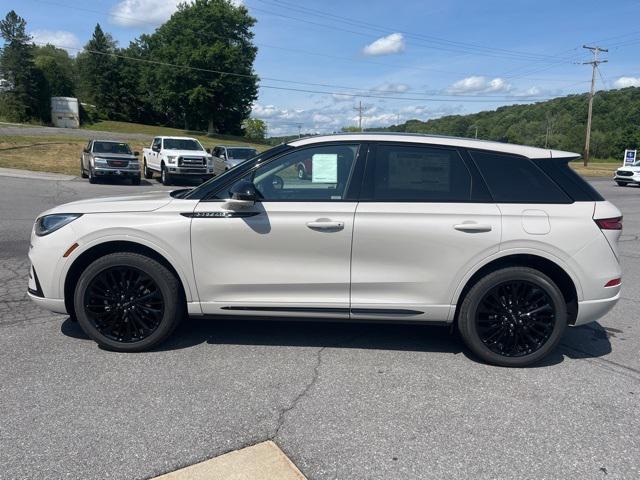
[325, 225]
[473, 227]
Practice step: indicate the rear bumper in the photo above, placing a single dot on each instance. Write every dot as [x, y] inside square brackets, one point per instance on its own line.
[591, 310]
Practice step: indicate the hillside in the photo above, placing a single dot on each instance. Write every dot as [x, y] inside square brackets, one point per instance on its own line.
[616, 123]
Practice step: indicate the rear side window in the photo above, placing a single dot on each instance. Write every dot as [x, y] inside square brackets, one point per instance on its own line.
[565, 176]
[515, 179]
[419, 174]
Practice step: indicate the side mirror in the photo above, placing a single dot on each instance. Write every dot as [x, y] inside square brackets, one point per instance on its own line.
[84, 150]
[243, 194]
[208, 150]
[137, 154]
[155, 148]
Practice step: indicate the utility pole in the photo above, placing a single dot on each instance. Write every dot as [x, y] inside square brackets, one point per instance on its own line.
[594, 66]
[359, 110]
[299, 130]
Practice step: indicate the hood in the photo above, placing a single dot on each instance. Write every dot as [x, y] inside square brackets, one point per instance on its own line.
[630, 168]
[116, 156]
[129, 203]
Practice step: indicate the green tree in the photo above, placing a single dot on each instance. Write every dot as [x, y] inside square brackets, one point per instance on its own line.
[98, 73]
[58, 70]
[208, 36]
[21, 100]
[255, 129]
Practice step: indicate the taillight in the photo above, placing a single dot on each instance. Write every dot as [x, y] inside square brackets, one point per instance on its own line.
[609, 223]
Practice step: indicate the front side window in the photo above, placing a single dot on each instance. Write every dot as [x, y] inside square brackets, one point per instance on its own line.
[515, 179]
[419, 174]
[328, 172]
[111, 147]
[181, 144]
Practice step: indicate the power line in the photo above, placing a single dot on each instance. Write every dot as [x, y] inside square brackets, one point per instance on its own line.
[475, 48]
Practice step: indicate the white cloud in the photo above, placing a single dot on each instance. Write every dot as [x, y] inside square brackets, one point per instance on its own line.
[392, 88]
[339, 97]
[388, 45]
[479, 84]
[59, 38]
[133, 13]
[624, 82]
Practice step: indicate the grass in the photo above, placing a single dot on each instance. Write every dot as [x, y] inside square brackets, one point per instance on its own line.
[597, 168]
[42, 154]
[151, 131]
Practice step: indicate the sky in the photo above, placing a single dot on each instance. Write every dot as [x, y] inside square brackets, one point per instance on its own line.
[402, 59]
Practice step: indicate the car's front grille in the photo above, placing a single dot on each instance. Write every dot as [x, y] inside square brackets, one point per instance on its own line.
[191, 161]
[118, 163]
[624, 173]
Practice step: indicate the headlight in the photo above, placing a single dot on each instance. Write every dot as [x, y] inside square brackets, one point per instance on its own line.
[50, 223]
[171, 159]
[100, 161]
[210, 161]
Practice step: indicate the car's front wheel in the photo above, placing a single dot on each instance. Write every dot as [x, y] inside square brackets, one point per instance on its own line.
[513, 317]
[165, 177]
[92, 177]
[622, 184]
[128, 302]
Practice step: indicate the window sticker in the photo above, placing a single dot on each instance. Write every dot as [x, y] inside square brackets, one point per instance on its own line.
[324, 168]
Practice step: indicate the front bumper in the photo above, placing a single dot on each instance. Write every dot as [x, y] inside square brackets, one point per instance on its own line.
[115, 172]
[193, 171]
[635, 179]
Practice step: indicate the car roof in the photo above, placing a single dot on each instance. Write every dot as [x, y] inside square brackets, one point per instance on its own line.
[235, 146]
[526, 151]
[176, 138]
[109, 141]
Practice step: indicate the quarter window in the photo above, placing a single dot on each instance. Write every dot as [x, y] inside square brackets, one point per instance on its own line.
[420, 174]
[515, 179]
[309, 174]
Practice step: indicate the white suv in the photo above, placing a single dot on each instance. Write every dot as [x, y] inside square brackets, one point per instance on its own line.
[506, 242]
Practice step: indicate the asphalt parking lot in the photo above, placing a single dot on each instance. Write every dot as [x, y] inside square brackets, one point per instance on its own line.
[343, 401]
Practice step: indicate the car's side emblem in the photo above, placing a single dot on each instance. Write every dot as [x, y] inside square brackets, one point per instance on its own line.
[220, 214]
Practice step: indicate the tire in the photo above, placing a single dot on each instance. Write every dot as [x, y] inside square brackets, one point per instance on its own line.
[480, 331]
[83, 174]
[132, 326]
[622, 184]
[148, 173]
[301, 173]
[92, 177]
[165, 177]
[135, 180]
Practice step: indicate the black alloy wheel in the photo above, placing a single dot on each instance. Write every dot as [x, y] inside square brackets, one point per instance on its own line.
[124, 304]
[515, 318]
[128, 302]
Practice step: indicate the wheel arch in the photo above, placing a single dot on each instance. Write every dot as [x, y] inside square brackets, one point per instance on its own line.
[113, 246]
[552, 269]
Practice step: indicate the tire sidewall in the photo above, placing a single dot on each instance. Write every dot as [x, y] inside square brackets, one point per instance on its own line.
[468, 327]
[165, 281]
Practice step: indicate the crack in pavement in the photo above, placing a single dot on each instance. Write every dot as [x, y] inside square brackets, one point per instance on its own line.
[294, 403]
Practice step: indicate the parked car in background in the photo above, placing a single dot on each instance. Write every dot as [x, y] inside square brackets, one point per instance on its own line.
[109, 159]
[506, 243]
[178, 157]
[231, 156]
[628, 175]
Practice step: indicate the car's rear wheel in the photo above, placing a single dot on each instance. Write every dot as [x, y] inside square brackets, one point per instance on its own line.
[148, 173]
[128, 302]
[513, 317]
[622, 184]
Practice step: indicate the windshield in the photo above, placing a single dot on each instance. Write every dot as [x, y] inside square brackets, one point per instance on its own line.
[111, 147]
[181, 144]
[242, 153]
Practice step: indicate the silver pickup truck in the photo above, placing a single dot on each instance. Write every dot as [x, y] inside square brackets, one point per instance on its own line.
[108, 158]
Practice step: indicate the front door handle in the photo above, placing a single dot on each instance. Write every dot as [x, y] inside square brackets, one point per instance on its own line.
[325, 225]
[473, 227]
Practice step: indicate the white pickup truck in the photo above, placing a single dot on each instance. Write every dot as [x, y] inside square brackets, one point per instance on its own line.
[174, 157]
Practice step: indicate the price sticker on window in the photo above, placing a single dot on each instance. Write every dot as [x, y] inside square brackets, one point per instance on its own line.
[324, 168]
